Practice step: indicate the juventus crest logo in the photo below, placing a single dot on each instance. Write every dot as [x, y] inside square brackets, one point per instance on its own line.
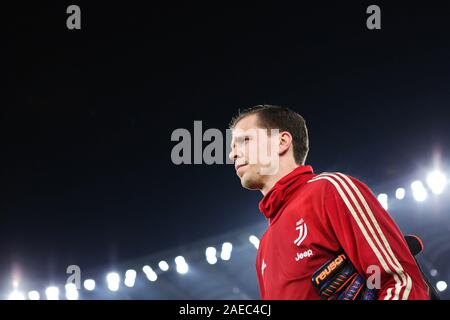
[302, 232]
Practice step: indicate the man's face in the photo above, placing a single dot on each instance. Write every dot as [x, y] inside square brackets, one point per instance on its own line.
[251, 150]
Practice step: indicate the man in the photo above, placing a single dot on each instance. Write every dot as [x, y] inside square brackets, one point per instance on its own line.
[314, 218]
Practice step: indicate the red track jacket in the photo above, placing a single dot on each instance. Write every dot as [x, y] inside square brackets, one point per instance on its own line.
[311, 217]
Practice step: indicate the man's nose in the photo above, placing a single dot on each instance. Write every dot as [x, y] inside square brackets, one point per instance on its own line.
[233, 154]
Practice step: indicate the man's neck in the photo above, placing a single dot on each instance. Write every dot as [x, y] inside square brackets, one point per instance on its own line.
[273, 179]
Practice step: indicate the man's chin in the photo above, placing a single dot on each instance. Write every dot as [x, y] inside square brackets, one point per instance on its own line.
[250, 184]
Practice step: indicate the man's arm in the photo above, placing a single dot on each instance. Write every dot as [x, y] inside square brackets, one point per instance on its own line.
[371, 239]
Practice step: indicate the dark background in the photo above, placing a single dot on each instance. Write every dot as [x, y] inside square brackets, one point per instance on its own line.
[87, 116]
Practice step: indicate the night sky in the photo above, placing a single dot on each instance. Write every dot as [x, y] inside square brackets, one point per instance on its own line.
[87, 116]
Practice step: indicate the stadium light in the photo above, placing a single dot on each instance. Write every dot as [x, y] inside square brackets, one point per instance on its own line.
[182, 266]
[211, 260]
[436, 181]
[163, 265]
[89, 284]
[441, 285]
[71, 291]
[419, 192]
[400, 193]
[254, 240]
[113, 281]
[130, 278]
[225, 254]
[383, 199]
[151, 275]
[52, 293]
[34, 295]
[16, 295]
[210, 253]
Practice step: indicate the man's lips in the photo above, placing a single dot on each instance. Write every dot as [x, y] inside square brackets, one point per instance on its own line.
[237, 166]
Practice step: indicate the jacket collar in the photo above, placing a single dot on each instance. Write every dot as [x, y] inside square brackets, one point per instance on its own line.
[275, 198]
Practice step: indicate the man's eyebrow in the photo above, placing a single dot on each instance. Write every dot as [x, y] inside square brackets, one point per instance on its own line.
[243, 134]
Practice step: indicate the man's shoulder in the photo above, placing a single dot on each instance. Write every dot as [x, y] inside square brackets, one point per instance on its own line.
[333, 181]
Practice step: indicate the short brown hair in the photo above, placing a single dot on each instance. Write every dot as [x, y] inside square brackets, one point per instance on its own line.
[283, 119]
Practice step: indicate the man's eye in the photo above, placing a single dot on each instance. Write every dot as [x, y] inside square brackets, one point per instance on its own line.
[247, 139]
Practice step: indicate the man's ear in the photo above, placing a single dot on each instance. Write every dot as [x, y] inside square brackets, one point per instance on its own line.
[285, 142]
